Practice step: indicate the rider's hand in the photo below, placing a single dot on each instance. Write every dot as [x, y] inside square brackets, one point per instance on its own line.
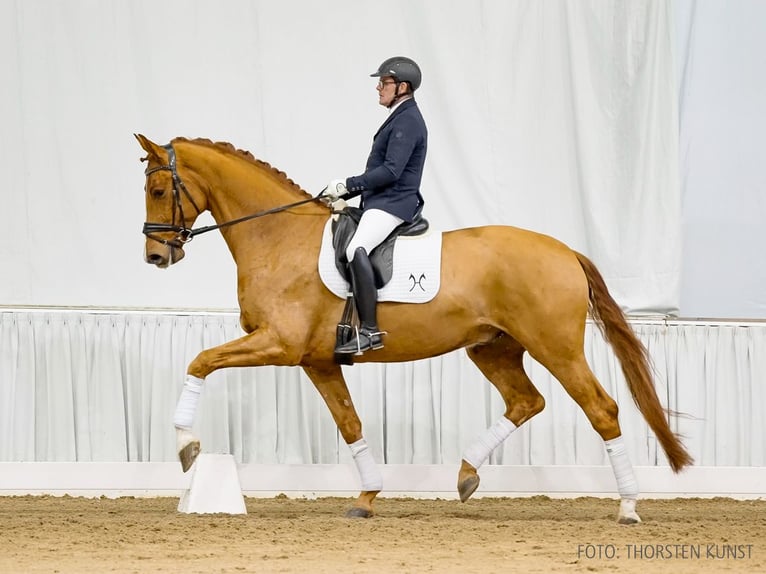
[335, 190]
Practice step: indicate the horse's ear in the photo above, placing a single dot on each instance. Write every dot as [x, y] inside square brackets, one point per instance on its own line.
[149, 146]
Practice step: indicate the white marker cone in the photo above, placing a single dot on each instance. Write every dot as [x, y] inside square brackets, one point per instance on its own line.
[214, 487]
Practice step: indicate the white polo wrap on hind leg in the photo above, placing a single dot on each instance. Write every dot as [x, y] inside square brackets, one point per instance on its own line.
[478, 452]
[187, 402]
[372, 480]
[627, 485]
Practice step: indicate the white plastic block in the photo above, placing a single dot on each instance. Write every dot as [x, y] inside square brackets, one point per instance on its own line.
[214, 487]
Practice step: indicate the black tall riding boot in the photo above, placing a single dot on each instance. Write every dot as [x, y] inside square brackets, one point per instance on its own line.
[366, 299]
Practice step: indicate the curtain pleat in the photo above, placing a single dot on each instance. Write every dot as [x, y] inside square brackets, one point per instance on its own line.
[81, 385]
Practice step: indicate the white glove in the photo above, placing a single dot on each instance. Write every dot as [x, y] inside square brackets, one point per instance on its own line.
[335, 190]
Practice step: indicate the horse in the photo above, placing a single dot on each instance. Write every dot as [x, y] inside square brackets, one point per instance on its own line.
[505, 291]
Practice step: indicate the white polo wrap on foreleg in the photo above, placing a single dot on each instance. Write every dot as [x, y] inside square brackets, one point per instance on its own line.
[372, 480]
[627, 485]
[187, 402]
[478, 452]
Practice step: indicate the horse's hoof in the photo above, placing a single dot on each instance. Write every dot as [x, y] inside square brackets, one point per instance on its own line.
[628, 514]
[629, 519]
[357, 512]
[466, 488]
[188, 455]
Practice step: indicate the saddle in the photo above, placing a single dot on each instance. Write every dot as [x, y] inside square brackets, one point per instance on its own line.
[382, 257]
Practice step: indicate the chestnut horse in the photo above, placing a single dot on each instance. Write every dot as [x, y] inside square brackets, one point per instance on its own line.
[504, 291]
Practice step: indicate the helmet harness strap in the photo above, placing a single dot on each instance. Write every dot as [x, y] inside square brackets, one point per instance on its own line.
[397, 95]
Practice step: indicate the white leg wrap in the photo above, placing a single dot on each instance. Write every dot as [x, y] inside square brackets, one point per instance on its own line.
[187, 402]
[478, 452]
[372, 480]
[627, 485]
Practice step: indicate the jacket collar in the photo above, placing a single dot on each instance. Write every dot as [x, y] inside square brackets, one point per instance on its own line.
[399, 109]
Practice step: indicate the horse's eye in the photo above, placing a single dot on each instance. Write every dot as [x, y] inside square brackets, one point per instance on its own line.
[158, 192]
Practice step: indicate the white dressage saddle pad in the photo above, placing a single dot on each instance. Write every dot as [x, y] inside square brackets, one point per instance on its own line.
[416, 274]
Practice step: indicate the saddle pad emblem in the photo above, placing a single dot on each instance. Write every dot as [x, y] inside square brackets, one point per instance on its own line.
[416, 276]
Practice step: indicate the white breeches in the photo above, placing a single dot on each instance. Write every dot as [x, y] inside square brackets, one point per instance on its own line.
[373, 228]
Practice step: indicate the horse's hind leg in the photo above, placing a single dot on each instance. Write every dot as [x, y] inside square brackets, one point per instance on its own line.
[331, 385]
[501, 361]
[581, 384]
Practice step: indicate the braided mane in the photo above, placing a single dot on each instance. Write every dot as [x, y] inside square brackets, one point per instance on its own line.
[226, 147]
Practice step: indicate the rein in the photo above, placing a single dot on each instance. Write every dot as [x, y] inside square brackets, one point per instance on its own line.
[186, 234]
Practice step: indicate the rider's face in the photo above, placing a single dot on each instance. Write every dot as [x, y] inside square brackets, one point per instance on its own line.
[386, 90]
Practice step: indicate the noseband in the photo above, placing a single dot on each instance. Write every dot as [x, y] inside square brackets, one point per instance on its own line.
[185, 234]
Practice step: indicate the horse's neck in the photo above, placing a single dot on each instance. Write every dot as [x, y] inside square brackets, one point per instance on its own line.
[238, 188]
[236, 195]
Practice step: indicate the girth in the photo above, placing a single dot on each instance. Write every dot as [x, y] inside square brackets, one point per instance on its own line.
[382, 257]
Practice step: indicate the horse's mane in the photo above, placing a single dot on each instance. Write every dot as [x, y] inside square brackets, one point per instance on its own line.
[226, 147]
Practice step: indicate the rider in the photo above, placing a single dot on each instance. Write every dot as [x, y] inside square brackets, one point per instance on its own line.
[389, 186]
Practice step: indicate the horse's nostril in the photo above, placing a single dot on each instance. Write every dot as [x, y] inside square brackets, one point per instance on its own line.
[155, 259]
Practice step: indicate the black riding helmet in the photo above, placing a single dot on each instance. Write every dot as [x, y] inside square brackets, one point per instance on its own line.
[402, 70]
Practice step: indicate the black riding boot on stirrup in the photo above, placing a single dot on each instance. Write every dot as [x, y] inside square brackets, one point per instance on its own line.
[368, 335]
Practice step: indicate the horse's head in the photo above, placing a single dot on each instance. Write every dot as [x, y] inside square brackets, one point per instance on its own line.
[171, 206]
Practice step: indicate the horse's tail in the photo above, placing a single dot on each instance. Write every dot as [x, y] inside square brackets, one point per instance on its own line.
[634, 360]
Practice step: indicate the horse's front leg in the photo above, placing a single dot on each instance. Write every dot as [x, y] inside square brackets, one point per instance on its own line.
[329, 381]
[257, 348]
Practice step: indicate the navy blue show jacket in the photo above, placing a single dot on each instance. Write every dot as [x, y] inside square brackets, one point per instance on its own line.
[391, 181]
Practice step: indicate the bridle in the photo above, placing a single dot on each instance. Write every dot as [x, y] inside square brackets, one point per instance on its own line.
[185, 234]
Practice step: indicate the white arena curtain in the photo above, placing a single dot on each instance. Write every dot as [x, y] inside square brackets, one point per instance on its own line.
[102, 386]
[556, 116]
